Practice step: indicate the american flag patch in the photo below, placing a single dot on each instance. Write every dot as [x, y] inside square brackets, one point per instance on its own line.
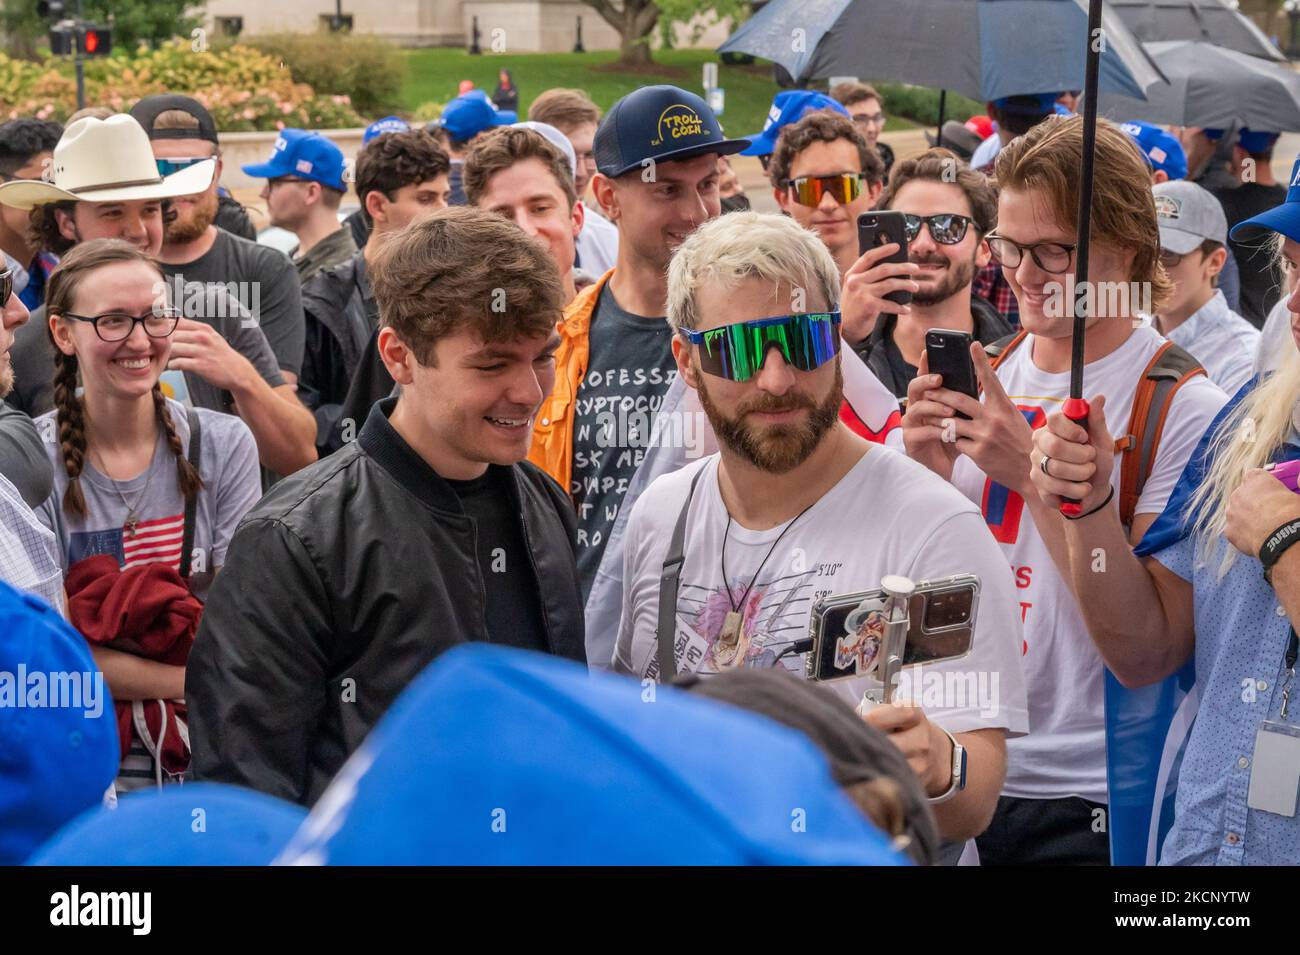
[154, 541]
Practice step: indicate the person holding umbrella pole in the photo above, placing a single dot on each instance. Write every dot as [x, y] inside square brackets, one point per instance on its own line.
[1054, 806]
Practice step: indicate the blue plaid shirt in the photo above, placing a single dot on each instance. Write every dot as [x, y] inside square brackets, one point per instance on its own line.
[1242, 632]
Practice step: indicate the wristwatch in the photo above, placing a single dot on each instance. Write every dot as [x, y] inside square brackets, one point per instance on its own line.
[958, 771]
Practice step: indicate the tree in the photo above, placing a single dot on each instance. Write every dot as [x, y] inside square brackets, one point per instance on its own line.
[636, 20]
[134, 21]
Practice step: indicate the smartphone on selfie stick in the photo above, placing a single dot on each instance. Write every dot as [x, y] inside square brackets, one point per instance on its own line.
[882, 228]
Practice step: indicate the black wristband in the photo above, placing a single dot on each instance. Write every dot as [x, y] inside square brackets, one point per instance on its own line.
[1080, 517]
[1276, 544]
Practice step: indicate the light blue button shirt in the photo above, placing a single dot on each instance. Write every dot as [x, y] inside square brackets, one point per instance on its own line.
[1242, 633]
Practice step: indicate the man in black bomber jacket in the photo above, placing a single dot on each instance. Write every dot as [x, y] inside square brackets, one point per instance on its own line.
[429, 530]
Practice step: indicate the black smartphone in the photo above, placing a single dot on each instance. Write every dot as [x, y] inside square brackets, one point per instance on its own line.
[948, 354]
[882, 228]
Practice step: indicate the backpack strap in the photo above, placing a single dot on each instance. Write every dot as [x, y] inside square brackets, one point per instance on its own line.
[191, 505]
[1169, 369]
[669, 583]
[1000, 349]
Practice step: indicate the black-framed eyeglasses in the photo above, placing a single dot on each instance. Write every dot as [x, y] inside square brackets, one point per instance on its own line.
[281, 180]
[946, 228]
[119, 326]
[1053, 257]
[6, 286]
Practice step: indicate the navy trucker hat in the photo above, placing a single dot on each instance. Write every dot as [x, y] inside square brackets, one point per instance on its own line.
[658, 124]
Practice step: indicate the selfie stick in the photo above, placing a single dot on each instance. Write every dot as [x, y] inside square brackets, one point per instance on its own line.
[1076, 406]
[898, 596]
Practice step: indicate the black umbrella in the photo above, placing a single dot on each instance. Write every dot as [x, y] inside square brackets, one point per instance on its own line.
[1076, 406]
[1213, 21]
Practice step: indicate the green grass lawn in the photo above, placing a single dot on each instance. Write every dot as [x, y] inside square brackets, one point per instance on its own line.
[434, 75]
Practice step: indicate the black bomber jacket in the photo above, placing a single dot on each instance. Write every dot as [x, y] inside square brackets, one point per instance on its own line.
[339, 587]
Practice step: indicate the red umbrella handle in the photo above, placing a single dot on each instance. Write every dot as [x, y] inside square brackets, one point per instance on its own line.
[1076, 409]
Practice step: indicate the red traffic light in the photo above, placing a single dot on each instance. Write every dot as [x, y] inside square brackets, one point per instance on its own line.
[95, 40]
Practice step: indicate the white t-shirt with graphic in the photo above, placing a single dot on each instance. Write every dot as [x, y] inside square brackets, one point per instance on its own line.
[1065, 754]
[888, 515]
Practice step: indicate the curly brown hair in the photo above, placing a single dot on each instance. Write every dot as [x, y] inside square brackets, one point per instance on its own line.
[821, 126]
[1123, 208]
[465, 267]
[70, 411]
[941, 165]
[390, 162]
[501, 148]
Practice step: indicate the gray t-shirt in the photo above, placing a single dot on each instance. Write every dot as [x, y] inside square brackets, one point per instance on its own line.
[261, 278]
[628, 373]
[231, 485]
[32, 355]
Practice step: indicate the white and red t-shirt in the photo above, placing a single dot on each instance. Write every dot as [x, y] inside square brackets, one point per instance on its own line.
[1065, 751]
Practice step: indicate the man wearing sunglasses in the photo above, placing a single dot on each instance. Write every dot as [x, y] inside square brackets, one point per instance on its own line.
[949, 209]
[304, 187]
[26, 148]
[196, 253]
[824, 175]
[1055, 802]
[795, 506]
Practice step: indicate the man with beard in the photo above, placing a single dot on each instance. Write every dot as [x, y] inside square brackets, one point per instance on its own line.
[618, 417]
[949, 209]
[777, 518]
[196, 253]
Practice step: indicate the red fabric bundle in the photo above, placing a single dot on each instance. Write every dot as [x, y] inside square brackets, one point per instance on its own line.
[146, 610]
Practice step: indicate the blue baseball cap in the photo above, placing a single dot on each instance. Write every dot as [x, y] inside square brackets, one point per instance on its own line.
[496, 756]
[788, 107]
[468, 115]
[1284, 218]
[59, 730]
[1030, 104]
[1161, 148]
[196, 824]
[304, 155]
[1254, 141]
[389, 124]
[659, 124]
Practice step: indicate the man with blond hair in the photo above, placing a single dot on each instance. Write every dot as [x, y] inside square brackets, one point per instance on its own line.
[1054, 804]
[752, 301]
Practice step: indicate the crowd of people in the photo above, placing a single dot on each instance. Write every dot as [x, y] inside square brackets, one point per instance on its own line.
[556, 387]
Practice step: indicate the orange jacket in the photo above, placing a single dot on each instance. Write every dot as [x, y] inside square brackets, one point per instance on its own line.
[552, 449]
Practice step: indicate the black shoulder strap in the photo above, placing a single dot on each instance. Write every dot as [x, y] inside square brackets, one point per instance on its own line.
[669, 581]
[191, 505]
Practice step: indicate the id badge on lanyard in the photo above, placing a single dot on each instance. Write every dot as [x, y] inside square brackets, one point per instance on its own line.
[1275, 770]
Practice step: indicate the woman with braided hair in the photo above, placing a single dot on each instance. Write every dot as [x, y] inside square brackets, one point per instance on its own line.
[127, 482]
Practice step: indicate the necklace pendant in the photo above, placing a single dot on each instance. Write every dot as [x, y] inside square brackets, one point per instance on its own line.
[732, 643]
[131, 524]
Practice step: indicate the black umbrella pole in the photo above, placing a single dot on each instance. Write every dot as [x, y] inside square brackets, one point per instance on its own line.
[938, 133]
[1076, 407]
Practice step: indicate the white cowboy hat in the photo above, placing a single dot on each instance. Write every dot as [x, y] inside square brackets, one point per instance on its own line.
[105, 160]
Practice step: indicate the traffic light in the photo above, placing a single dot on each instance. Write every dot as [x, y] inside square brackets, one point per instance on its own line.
[94, 40]
[69, 36]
